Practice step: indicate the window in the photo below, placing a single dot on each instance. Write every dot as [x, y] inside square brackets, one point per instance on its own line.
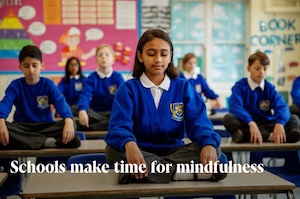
[216, 31]
[187, 28]
[229, 37]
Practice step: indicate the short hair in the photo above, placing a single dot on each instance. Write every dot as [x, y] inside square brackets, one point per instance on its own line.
[149, 35]
[30, 51]
[68, 73]
[187, 57]
[261, 57]
[106, 46]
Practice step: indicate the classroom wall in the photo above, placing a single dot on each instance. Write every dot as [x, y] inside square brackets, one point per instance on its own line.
[274, 30]
[268, 23]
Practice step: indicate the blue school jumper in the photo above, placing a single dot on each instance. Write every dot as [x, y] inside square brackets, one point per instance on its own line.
[134, 117]
[32, 102]
[257, 105]
[201, 86]
[98, 94]
[295, 93]
[71, 90]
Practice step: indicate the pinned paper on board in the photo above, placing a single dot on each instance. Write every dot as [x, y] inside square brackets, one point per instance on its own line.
[71, 39]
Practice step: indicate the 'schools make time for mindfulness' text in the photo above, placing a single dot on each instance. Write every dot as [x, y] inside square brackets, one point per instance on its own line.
[122, 167]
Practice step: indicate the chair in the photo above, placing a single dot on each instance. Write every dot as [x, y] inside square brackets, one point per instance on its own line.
[81, 135]
[13, 184]
[222, 159]
[290, 170]
[86, 158]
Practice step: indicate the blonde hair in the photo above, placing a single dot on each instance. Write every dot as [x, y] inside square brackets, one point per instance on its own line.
[105, 46]
[187, 57]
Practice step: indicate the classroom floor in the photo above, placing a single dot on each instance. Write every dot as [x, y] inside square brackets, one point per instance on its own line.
[244, 158]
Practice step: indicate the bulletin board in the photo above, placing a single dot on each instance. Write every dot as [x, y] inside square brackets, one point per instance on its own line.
[64, 28]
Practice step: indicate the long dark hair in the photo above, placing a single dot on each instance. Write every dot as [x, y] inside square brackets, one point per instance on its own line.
[149, 35]
[68, 73]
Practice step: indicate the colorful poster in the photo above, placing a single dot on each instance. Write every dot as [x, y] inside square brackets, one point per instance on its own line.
[64, 28]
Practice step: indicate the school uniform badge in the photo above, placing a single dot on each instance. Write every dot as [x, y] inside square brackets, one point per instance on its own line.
[42, 101]
[198, 88]
[177, 111]
[264, 105]
[78, 86]
[112, 89]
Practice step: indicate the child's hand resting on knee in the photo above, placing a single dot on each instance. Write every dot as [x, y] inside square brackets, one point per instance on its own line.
[83, 118]
[4, 135]
[208, 153]
[279, 134]
[255, 134]
[135, 156]
[68, 131]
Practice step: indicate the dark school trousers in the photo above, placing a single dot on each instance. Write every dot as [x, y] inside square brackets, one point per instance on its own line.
[232, 124]
[98, 121]
[33, 135]
[295, 109]
[74, 109]
[182, 154]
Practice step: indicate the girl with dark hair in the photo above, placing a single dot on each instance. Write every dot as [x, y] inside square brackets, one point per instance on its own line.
[72, 84]
[151, 114]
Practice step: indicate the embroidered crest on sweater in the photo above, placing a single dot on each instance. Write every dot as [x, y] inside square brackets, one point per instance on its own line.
[264, 105]
[112, 89]
[42, 101]
[78, 86]
[177, 111]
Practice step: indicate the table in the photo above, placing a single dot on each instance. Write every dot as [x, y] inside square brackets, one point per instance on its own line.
[216, 119]
[105, 186]
[227, 145]
[217, 116]
[92, 134]
[87, 146]
[98, 146]
[3, 177]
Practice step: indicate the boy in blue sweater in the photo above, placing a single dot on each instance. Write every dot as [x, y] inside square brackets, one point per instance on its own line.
[72, 84]
[97, 96]
[151, 114]
[295, 93]
[257, 113]
[33, 126]
[189, 62]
